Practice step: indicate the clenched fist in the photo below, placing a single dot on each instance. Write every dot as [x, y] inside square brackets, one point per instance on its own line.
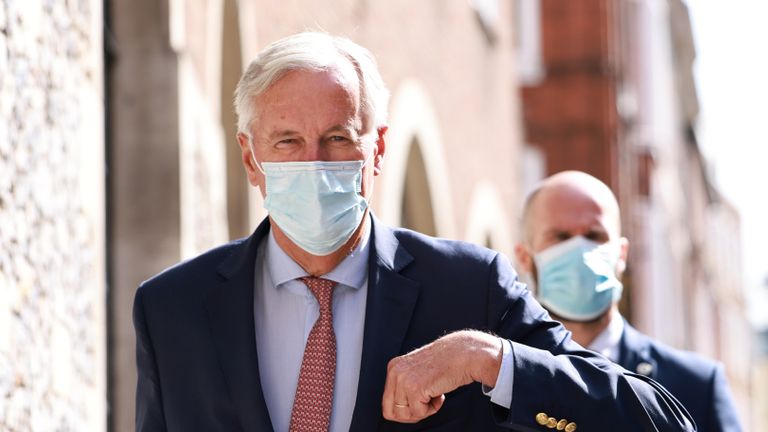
[417, 382]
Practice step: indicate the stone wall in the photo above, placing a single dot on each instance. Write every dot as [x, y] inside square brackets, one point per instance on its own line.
[52, 275]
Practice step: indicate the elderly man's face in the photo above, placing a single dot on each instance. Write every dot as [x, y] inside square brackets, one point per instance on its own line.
[313, 116]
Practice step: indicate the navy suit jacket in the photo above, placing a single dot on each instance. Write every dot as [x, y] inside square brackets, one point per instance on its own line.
[698, 383]
[197, 359]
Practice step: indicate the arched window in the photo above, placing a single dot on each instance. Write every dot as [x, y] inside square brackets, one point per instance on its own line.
[416, 211]
[415, 188]
[488, 223]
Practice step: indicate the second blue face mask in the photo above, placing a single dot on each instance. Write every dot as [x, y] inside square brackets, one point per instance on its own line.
[577, 278]
[317, 204]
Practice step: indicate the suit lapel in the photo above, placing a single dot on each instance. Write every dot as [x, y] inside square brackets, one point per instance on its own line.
[634, 353]
[230, 314]
[390, 304]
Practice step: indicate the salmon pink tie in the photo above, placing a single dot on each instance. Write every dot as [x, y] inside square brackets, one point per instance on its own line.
[314, 393]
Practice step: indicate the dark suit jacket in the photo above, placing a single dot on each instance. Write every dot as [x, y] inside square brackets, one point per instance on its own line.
[699, 384]
[197, 361]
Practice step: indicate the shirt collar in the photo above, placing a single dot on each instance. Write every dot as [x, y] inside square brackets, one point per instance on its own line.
[352, 271]
[607, 342]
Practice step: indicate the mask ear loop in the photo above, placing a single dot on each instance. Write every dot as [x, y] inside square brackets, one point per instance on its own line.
[253, 158]
[365, 162]
[367, 159]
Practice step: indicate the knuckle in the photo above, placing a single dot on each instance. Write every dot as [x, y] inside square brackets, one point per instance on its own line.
[411, 387]
[392, 364]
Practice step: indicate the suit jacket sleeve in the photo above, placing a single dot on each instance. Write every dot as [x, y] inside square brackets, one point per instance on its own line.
[555, 376]
[149, 404]
[722, 412]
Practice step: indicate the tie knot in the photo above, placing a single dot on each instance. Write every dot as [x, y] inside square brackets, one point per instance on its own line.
[322, 289]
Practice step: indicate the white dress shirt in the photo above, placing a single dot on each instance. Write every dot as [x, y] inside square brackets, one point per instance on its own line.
[607, 342]
[284, 313]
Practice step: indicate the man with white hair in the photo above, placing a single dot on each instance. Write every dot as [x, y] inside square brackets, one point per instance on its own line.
[573, 250]
[325, 319]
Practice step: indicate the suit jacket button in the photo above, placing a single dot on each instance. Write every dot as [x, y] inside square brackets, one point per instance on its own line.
[551, 422]
[561, 424]
[645, 368]
[541, 418]
[570, 427]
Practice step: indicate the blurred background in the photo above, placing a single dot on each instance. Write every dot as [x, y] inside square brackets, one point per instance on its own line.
[118, 158]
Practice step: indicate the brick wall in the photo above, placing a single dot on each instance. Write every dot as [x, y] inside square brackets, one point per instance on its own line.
[572, 114]
[52, 343]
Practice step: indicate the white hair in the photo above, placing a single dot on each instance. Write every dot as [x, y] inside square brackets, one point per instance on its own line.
[311, 51]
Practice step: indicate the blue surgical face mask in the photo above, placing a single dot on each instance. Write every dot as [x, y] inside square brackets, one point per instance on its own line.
[317, 204]
[577, 278]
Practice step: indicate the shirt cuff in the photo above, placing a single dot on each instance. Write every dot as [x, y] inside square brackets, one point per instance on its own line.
[501, 393]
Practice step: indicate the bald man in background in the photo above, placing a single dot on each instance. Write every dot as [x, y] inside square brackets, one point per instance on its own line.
[573, 252]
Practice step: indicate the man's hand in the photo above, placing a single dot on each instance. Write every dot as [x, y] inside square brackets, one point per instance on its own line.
[417, 382]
